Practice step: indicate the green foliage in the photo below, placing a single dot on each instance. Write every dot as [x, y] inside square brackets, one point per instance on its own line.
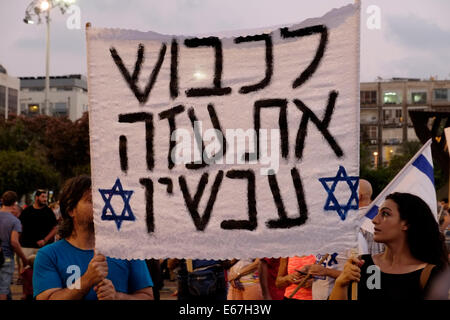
[380, 178]
[67, 144]
[42, 152]
[23, 173]
[439, 177]
[365, 156]
[407, 151]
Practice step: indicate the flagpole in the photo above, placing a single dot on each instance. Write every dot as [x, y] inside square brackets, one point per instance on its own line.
[354, 254]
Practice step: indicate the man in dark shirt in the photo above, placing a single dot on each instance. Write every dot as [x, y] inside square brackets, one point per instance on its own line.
[39, 224]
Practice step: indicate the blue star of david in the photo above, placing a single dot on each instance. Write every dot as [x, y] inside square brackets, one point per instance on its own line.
[331, 203]
[108, 212]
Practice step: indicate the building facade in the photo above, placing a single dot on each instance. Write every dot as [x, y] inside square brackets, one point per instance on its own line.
[9, 94]
[67, 96]
[384, 107]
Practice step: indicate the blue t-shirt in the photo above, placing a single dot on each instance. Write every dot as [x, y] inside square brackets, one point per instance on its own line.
[57, 263]
[8, 224]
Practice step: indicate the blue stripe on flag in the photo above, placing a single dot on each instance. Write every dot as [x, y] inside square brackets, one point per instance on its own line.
[372, 212]
[423, 165]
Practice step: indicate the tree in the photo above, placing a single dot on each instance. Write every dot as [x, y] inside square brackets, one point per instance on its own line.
[380, 177]
[67, 145]
[55, 146]
[23, 173]
[407, 150]
[365, 156]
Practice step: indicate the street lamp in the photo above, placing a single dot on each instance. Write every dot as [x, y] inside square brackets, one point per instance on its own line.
[34, 11]
[375, 158]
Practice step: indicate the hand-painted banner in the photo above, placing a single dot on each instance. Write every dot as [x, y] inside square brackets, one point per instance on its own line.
[224, 146]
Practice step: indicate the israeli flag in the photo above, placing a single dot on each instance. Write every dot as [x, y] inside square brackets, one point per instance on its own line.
[417, 178]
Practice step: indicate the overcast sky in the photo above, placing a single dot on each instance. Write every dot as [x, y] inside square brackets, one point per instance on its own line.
[413, 39]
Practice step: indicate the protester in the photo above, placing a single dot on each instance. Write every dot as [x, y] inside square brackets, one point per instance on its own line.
[10, 228]
[39, 224]
[17, 210]
[244, 281]
[154, 268]
[165, 273]
[323, 284]
[172, 269]
[292, 272]
[55, 208]
[410, 233]
[173, 266]
[201, 280]
[325, 277]
[102, 277]
[27, 279]
[366, 244]
[289, 277]
[444, 221]
[268, 271]
[442, 206]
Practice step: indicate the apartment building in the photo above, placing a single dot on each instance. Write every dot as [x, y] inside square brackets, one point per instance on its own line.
[67, 96]
[9, 94]
[384, 107]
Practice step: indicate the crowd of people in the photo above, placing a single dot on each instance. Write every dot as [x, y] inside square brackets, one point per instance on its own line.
[404, 256]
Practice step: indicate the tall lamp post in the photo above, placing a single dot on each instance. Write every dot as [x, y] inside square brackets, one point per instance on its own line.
[34, 11]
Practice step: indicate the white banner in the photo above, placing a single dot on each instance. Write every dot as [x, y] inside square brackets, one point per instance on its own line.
[224, 146]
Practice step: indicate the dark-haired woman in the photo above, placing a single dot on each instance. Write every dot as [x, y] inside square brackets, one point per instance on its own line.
[414, 262]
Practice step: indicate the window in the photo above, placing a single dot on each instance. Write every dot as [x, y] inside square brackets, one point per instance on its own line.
[441, 94]
[386, 115]
[391, 98]
[2, 97]
[373, 132]
[419, 97]
[38, 89]
[392, 116]
[2, 101]
[60, 109]
[12, 101]
[368, 97]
